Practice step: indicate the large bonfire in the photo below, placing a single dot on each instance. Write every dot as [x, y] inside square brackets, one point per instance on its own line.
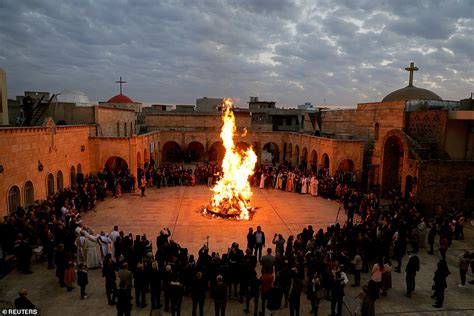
[232, 192]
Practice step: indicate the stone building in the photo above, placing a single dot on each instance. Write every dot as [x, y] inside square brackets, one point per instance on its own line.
[415, 143]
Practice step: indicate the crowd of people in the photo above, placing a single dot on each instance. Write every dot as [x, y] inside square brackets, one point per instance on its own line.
[271, 273]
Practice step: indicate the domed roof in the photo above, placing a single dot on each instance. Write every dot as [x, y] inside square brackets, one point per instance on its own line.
[120, 98]
[411, 93]
[74, 96]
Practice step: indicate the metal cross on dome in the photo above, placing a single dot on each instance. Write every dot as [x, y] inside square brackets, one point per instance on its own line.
[411, 69]
[120, 82]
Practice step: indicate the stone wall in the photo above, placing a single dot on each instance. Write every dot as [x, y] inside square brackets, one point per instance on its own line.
[22, 149]
[115, 121]
[428, 128]
[192, 121]
[445, 183]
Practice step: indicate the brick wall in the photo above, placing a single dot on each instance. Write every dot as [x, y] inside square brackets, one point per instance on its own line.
[22, 148]
[444, 182]
[115, 121]
[192, 121]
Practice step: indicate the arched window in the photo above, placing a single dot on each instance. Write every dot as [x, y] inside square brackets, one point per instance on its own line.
[59, 180]
[124, 128]
[376, 131]
[73, 176]
[118, 128]
[29, 193]
[79, 168]
[13, 199]
[50, 184]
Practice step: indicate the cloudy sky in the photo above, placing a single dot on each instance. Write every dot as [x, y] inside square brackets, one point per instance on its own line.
[345, 51]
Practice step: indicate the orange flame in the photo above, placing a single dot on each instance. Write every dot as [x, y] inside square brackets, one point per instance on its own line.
[232, 192]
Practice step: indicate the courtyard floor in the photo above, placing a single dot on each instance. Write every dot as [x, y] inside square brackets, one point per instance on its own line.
[277, 212]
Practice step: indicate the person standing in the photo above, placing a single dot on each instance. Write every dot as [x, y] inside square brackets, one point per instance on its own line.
[126, 276]
[337, 292]
[443, 246]
[124, 300]
[357, 262]
[253, 292]
[176, 296]
[198, 293]
[464, 262]
[274, 297]
[154, 276]
[386, 277]
[268, 261]
[295, 295]
[250, 240]
[259, 238]
[82, 280]
[431, 238]
[108, 272]
[413, 266]
[142, 186]
[439, 280]
[141, 286]
[220, 296]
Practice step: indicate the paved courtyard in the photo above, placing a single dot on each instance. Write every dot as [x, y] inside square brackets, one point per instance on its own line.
[282, 212]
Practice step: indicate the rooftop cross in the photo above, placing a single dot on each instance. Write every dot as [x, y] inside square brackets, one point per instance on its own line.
[120, 82]
[411, 69]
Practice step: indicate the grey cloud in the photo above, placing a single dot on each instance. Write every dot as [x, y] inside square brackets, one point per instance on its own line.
[176, 51]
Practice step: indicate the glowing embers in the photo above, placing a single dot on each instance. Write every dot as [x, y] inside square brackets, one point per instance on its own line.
[232, 192]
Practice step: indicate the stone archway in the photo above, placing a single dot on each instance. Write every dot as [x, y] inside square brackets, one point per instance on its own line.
[216, 152]
[271, 152]
[392, 163]
[304, 159]
[346, 165]
[325, 162]
[314, 161]
[115, 164]
[195, 152]
[289, 153]
[171, 152]
[296, 156]
[139, 160]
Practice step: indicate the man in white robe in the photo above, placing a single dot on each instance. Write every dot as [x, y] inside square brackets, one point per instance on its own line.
[113, 237]
[90, 247]
[104, 243]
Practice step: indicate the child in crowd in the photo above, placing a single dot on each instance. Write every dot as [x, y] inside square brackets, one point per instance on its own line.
[82, 280]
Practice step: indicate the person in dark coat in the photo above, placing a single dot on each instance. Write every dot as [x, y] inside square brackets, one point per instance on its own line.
[259, 238]
[295, 295]
[154, 277]
[337, 294]
[220, 296]
[431, 238]
[250, 240]
[198, 293]
[61, 261]
[253, 292]
[23, 254]
[124, 300]
[22, 302]
[82, 280]
[176, 290]
[413, 266]
[141, 286]
[108, 272]
[274, 297]
[439, 279]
